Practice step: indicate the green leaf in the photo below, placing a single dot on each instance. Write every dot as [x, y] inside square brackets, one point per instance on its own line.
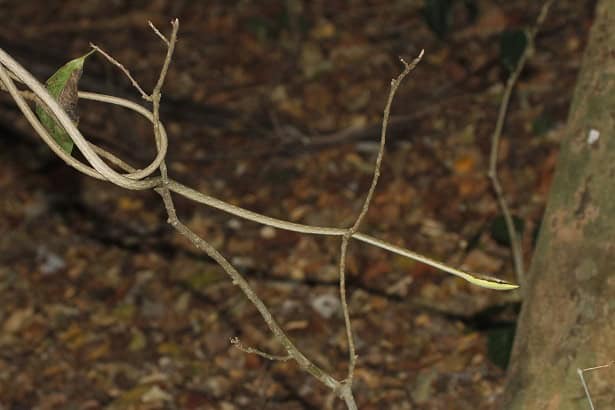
[437, 15]
[499, 231]
[512, 46]
[62, 86]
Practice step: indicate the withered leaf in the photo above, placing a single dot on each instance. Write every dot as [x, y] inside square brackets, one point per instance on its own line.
[62, 86]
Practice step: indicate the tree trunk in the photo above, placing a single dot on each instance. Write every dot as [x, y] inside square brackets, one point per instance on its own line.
[568, 317]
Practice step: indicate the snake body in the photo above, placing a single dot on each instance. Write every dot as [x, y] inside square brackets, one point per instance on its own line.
[142, 179]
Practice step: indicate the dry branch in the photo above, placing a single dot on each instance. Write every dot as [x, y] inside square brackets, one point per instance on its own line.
[515, 242]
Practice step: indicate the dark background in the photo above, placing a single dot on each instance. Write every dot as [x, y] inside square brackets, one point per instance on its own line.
[274, 106]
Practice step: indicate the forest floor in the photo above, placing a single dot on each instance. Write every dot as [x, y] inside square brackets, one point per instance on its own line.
[276, 107]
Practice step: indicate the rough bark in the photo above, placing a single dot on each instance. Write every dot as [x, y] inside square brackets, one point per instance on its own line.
[568, 318]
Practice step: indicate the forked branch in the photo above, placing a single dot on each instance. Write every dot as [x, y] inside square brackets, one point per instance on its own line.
[135, 179]
[355, 227]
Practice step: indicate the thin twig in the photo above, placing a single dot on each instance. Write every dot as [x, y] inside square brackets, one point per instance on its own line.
[581, 372]
[162, 37]
[247, 349]
[170, 49]
[27, 95]
[355, 227]
[515, 242]
[236, 278]
[122, 69]
[118, 162]
[156, 93]
[385, 122]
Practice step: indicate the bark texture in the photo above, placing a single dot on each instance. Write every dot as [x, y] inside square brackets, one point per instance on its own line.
[568, 317]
